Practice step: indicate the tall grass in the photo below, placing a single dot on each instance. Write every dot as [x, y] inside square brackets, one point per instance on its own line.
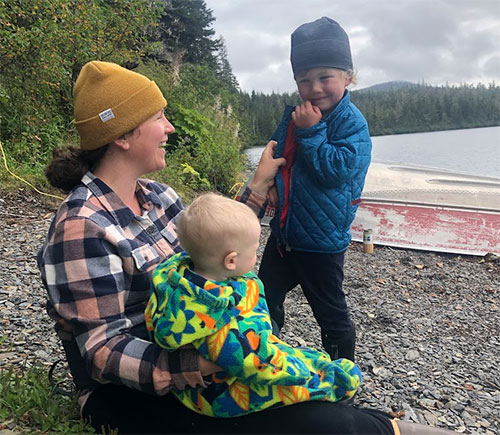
[29, 405]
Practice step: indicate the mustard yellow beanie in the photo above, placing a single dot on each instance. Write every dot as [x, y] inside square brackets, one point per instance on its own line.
[110, 100]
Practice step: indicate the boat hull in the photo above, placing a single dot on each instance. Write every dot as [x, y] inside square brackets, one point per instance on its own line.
[429, 227]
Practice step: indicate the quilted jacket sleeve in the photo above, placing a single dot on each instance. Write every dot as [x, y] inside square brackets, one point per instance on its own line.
[332, 155]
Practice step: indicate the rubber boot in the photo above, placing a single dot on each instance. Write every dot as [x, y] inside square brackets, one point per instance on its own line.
[276, 328]
[339, 345]
[277, 314]
[407, 428]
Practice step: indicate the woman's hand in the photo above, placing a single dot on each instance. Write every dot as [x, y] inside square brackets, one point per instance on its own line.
[207, 367]
[263, 179]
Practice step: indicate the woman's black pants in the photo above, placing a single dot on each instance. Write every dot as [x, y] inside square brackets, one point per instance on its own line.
[133, 412]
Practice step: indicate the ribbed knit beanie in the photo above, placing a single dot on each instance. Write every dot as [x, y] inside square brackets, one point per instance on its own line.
[320, 43]
[110, 100]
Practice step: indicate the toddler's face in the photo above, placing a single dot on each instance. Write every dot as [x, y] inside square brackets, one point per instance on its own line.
[247, 252]
[323, 87]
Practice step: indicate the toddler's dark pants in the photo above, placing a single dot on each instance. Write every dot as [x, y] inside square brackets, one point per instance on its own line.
[320, 276]
[131, 411]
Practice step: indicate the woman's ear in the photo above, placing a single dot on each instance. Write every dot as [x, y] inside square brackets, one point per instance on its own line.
[230, 260]
[122, 143]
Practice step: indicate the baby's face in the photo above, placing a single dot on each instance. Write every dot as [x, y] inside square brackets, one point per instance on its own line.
[323, 87]
[247, 251]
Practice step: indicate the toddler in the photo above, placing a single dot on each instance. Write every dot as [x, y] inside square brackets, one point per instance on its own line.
[327, 147]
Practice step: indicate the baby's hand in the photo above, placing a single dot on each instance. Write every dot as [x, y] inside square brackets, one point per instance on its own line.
[306, 115]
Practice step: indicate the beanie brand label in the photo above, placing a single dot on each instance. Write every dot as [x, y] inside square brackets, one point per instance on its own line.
[106, 115]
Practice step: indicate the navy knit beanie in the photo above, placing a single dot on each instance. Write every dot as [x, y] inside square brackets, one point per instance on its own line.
[320, 43]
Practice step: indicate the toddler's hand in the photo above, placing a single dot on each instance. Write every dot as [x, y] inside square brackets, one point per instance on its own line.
[306, 115]
[272, 196]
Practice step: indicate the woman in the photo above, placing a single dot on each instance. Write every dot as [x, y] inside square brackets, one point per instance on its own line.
[106, 237]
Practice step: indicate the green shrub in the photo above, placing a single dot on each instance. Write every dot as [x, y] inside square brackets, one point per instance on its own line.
[204, 153]
[209, 134]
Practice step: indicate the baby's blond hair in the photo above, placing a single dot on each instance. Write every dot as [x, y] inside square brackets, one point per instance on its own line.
[212, 226]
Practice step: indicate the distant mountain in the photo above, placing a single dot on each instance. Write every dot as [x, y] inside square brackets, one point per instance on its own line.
[389, 86]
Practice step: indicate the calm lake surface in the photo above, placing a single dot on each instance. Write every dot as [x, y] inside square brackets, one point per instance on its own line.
[471, 151]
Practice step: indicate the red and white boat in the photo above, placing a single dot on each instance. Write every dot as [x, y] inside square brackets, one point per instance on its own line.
[430, 209]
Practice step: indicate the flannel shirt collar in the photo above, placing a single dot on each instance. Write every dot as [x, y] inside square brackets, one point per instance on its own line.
[112, 203]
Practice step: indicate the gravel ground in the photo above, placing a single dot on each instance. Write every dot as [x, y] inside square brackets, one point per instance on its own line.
[427, 324]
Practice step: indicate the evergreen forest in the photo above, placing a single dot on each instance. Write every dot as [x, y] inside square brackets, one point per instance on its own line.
[45, 43]
[408, 108]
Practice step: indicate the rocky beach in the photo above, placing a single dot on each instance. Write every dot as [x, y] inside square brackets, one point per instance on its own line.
[427, 323]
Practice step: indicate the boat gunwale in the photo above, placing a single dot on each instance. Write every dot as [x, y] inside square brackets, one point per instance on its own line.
[367, 200]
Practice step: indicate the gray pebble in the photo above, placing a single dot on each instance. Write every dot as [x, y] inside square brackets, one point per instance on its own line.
[412, 355]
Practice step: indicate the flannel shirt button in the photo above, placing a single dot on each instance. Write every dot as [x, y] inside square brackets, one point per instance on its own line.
[151, 230]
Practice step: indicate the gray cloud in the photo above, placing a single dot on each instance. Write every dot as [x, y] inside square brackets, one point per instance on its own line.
[440, 41]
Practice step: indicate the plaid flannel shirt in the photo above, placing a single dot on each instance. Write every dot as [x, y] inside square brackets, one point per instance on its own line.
[96, 265]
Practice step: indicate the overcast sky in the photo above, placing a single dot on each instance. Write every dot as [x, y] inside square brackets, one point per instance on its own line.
[438, 41]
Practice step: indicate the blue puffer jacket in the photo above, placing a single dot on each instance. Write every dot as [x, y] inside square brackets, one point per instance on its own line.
[326, 179]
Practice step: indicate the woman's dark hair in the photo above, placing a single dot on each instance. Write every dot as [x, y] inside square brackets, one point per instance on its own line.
[69, 165]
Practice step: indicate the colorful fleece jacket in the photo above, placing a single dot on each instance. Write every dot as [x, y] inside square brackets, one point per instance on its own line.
[228, 322]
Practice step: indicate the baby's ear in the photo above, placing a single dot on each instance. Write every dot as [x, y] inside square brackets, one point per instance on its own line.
[230, 260]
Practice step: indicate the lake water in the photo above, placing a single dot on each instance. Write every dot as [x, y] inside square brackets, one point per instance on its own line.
[471, 151]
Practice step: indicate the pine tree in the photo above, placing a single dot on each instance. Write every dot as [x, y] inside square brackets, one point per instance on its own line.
[185, 33]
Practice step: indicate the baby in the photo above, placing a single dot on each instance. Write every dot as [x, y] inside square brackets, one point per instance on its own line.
[208, 297]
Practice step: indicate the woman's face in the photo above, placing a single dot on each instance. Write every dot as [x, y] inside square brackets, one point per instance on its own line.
[147, 143]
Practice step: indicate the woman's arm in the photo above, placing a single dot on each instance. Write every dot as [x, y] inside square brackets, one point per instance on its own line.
[89, 287]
